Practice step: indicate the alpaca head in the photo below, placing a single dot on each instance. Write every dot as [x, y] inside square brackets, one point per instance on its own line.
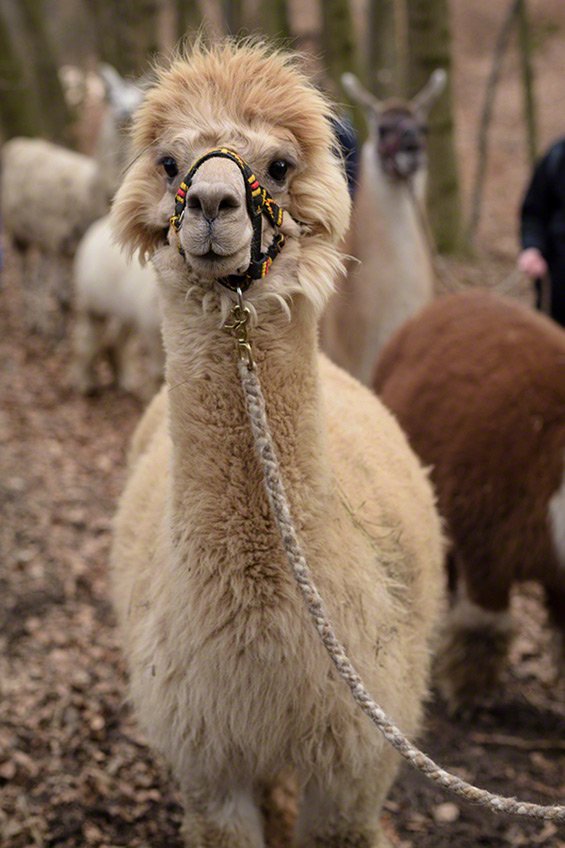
[255, 102]
[398, 127]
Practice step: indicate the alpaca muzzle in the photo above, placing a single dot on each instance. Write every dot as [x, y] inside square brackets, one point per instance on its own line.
[401, 149]
[259, 203]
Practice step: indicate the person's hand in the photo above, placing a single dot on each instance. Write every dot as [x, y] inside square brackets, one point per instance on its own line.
[532, 263]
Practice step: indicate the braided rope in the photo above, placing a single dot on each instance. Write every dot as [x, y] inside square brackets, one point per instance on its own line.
[267, 455]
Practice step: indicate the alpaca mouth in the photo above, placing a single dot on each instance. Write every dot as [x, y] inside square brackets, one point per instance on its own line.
[211, 250]
[214, 264]
[214, 256]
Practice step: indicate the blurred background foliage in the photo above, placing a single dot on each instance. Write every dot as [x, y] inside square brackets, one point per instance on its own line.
[392, 45]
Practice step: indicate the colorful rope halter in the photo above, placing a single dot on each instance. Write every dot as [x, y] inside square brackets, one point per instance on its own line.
[259, 203]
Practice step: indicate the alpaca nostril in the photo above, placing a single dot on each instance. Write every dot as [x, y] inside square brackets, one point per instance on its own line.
[193, 202]
[212, 200]
[229, 202]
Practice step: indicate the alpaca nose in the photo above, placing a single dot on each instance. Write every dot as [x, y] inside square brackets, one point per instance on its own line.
[211, 200]
[411, 141]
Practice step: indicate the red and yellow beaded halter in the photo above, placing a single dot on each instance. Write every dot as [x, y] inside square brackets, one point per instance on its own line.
[259, 203]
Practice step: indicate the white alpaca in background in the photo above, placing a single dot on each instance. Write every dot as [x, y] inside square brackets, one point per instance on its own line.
[116, 312]
[51, 195]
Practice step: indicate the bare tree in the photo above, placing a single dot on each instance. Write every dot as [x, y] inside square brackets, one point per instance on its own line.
[233, 15]
[338, 38]
[43, 67]
[525, 48]
[340, 50]
[274, 18]
[19, 114]
[384, 54]
[189, 16]
[127, 32]
[429, 43]
[500, 48]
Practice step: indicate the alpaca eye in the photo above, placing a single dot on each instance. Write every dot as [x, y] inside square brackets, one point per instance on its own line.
[170, 166]
[278, 170]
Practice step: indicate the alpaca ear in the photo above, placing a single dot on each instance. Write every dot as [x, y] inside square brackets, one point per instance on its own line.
[359, 94]
[124, 96]
[113, 83]
[425, 99]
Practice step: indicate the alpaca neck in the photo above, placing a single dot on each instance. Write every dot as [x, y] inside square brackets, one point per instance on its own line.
[218, 503]
[386, 207]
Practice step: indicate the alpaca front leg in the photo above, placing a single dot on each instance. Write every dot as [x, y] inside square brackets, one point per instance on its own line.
[41, 310]
[555, 601]
[346, 814]
[87, 338]
[124, 355]
[473, 650]
[230, 819]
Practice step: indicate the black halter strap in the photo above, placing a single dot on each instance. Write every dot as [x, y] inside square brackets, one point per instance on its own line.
[259, 203]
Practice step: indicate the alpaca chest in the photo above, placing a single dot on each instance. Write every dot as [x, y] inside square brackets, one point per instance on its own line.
[234, 687]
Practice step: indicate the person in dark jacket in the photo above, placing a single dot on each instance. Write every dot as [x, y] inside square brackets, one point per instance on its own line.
[542, 231]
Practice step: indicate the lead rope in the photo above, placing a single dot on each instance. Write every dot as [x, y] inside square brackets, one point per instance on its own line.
[255, 404]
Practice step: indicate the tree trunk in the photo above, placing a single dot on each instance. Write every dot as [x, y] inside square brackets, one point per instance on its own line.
[429, 42]
[500, 48]
[188, 16]
[233, 15]
[384, 54]
[145, 16]
[525, 47]
[274, 19]
[340, 51]
[19, 113]
[107, 37]
[127, 33]
[56, 115]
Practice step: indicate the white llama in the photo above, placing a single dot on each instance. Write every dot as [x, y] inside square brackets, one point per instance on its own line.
[390, 276]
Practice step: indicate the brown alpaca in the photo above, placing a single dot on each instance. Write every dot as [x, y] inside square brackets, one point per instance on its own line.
[390, 276]
[478, 384]
[228, 677]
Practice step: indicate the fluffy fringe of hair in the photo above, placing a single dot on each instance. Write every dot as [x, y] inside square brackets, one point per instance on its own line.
[228, 68]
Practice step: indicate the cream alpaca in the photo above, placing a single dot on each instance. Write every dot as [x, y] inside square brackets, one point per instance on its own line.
[390, 275]
[116, 315]
[227, 675]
